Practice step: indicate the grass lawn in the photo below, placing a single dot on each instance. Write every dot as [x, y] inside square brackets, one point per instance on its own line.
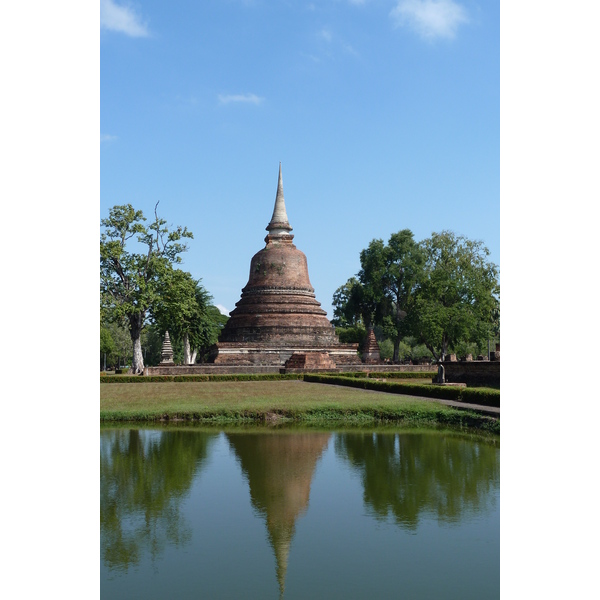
[271, 400]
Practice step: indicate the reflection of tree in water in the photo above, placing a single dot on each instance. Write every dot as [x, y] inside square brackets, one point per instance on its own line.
[279, 467]
[407, 474]
[143, 477]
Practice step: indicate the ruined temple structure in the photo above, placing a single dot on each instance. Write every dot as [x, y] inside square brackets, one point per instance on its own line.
[166, 353]
[278, 320]
[370, 353]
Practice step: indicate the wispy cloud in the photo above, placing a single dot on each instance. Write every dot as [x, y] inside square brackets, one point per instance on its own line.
[121, 18]
[105, 137]
[431, 19]
[325, 34]
[222, 310]
[247, 98]
[329, 45]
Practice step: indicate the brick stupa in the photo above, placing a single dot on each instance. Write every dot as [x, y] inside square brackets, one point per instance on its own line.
[278, 317]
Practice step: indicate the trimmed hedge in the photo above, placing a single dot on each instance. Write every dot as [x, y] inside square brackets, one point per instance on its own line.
[460, 394]
[404, 375]
[202, 377]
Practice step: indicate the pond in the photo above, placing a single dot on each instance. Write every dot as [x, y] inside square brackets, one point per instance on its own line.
[271, 512]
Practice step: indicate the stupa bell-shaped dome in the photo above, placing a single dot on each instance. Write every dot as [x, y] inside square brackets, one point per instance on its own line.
[278, 303]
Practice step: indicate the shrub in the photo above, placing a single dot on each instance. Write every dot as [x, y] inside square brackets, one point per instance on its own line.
[386, 349]
[420, 352]
[199, 377]
[404, 375]
[486, 397]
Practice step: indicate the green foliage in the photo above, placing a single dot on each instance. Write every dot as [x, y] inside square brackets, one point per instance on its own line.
[487, 397]
[152, 340]
[107, 346]
[352, 334]
[116, 342]
[443, 292]
[420, 352]
[404, 375]
[404, 351]
[199, 377]
[350, 305]
[386, 349]
[472, 396]
[130, 281]
[463, 348]
[457, 298]
[183, 309]
[390, 275]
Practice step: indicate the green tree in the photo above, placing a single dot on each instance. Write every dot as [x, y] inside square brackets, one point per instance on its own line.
[390, 274]
[386, 349]
[130, 281]
[355, 305]
[346, 304]
[458, 296]
[115, 341]
[152, 341]
[107, 346]
[183, 308]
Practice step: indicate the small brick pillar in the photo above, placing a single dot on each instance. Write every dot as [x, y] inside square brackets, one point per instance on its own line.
[370, 353]
[166, 354]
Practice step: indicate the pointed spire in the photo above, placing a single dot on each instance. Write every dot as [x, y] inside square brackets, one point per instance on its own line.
[279, 221]
[281, 535]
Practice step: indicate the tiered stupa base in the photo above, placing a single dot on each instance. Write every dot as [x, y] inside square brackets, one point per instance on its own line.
[257, 354]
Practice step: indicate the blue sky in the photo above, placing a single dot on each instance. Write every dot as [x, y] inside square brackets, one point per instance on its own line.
[384, 114]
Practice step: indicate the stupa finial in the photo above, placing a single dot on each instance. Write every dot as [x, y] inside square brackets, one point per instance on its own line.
[279, 224]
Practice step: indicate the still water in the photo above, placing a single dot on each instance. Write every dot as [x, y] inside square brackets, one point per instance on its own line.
[289, 513]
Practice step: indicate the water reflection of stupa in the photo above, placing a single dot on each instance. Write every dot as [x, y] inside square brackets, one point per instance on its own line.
[279, 468]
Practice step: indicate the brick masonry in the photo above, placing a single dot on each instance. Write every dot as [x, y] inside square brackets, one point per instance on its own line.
[211, 369]
[476, 372]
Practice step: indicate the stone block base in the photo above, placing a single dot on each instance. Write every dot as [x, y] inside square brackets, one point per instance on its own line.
[240, 354]
[314, 361]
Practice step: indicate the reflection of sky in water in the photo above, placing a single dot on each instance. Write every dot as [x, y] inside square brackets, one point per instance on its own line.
[229, 524]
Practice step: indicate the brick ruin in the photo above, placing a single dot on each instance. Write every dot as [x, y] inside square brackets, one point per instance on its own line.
[278, 318]
[370, 353]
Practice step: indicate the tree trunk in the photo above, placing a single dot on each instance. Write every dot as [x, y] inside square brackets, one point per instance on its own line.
[187, 355]
[135, 329]
[194, 354]
[396, 357]
[444, 348]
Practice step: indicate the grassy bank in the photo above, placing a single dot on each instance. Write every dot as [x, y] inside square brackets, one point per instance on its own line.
[273, 401]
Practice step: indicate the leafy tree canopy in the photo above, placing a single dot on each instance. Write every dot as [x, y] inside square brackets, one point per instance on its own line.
[389, 276]
[458, 297]
[130, 281]
[183, 308]
[443, 291]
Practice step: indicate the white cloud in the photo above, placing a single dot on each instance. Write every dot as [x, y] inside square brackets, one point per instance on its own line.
[325, 34]
[430, 18]
[123, 19]
[248, 98]
[105, 137]
[223, 310]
